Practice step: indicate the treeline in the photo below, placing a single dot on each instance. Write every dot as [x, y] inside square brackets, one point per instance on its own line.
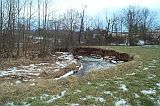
[29, 25]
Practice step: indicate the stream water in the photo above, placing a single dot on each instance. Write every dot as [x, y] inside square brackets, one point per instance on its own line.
[89, 63]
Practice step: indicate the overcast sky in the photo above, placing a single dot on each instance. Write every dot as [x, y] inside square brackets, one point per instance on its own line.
[95, 7]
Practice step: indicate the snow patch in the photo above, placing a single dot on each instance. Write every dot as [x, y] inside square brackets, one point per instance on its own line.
[151, 76]
[136, 95]
[9, 104]
[18, 82]
[73, 104]
[77, 91]
[118, 78]
[148, 92]
[114, 62]
[89, 83]
[44, 96]
[12, 104]
[32, 84]
[121, 102]
[154, 61]
[61, 64]
[80, 67]
[123, 87]
[145, 68]
[158, 84]
[52, 98]
[100, 99]
[131, 74]
[108, 93]
[151, 66]
[65, 75]
[102, 85]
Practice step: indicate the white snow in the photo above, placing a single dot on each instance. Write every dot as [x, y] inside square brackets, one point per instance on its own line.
[12, 104]
[108, 93]
[145, 68]
[18, 82]
[80, 67]
[65, 75]
[26, 104]
[32, 65]
[61, 64]
[123, 87]
[152, 66]
[9, 104]
[32, 84]
[43, 64]
[158, 84]
[2, 74]
[21, 70]
[77, 91]
[121, 102]
[118, 78]
[66, 56]
[131, 74]
[154, 61]
[102, 85]
[148, 92]
[89, 83]
[136, 95]
[36, 69]
[73, 104]
[44, 96]
[114, 62]
[50, 98]
[151, 76]
[73, 61]
[100, 99]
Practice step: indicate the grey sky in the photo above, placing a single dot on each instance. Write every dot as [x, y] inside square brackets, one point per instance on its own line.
[95, 7]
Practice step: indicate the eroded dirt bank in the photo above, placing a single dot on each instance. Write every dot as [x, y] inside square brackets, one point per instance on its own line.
[106, 54]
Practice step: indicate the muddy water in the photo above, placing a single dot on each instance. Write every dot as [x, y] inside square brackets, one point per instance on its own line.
[89, 63]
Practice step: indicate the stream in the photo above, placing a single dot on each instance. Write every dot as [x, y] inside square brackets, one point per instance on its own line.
[90, 63]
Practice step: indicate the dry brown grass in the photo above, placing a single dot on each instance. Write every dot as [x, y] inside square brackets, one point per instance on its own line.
[11, 92]
[7, 63]
[56, 74]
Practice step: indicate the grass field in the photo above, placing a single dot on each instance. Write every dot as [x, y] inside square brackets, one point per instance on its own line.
[135, 83]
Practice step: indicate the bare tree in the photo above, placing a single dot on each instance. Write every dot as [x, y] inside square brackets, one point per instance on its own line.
[115, 27]
[109, 29]
[81, 24]
[146, 22]
[131, 20]
[70, 23]
[1, 26]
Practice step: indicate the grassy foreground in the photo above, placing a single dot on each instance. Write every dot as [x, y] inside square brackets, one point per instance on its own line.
[135, 83]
